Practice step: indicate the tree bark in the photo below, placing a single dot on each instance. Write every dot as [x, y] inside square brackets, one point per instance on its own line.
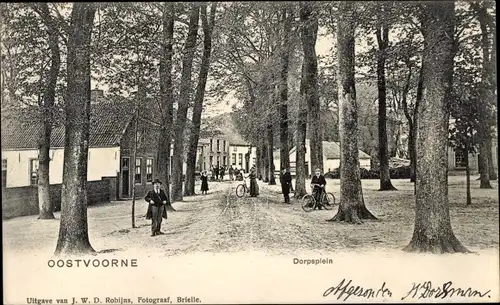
[198, 102]
[491, 170]
[265, 160]
[382, 34]
[167, 100]
[433, 231]
[258, 161]
[285, 46]
[352, 208]
[300, 142]
[181, 118]
[493, 66]
[270, 151]
[484, 132]
[73, 230]
[46, 208]
[309, 33]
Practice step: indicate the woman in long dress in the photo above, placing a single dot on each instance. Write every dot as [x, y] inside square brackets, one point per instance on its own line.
[254, 187]
[204, 182]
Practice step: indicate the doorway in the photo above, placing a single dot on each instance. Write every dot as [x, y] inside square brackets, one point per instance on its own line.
[125, 169]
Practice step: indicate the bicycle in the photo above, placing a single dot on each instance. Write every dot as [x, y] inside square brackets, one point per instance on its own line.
[309, 201]
[241, 190]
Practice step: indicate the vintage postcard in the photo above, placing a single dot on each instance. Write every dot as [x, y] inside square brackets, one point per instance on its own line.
[249, 152]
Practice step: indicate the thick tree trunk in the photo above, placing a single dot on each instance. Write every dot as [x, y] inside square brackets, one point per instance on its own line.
[270, 151]
[418, 101]
[46, 208]
[491, 170]
[181, 118]
[352, 208]
[167, 101]
[284, 150]
[433, 231]
[258, 162]
[265, 160]
[484, 128]
[73, 230]
[300, 142]
[309, 33]
[383, 43]
[200, 94]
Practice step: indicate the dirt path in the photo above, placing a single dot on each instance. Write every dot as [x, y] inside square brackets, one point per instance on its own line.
[220, 222]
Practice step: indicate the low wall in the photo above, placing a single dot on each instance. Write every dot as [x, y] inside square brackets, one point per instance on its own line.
[23, 201]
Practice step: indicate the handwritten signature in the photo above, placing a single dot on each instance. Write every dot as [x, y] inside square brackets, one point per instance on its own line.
[425, 290]
[345, 289]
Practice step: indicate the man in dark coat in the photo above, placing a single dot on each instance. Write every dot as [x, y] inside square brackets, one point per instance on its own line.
[286, 184]
[318, 183]
[157, 200]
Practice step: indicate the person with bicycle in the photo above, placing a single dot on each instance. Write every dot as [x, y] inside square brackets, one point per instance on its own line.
[254, 187]
[318, 183]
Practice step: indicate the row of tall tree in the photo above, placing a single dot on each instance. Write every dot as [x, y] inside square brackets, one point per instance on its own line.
[264, 54]
[149, 49]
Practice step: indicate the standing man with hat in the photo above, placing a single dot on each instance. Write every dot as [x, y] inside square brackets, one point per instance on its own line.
[157, 200]
[286, 184]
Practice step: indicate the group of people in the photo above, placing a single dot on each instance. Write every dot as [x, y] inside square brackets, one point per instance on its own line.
[218, 173]
[157, 199]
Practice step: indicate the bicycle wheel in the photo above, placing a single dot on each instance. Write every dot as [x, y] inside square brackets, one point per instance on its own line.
[308, 203]
[240, 190]
[328, 201]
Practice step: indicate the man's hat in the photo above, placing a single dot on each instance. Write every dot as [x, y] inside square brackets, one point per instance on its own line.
[157, 181]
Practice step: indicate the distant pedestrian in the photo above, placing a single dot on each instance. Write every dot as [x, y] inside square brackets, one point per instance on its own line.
[222, 172]
[157, 200]
[216, 171]
[286, 183]
[254, 187]
[204, 182]
[230, 171]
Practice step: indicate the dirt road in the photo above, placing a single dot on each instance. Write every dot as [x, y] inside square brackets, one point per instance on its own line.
[220, 222]
[226, 250]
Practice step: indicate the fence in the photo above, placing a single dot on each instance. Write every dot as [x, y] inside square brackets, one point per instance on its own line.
[23, 201]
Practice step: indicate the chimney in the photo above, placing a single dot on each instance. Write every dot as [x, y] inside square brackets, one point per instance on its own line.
[96, 95]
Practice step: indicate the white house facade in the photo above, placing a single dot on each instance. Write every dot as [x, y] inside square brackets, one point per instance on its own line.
[331, 157]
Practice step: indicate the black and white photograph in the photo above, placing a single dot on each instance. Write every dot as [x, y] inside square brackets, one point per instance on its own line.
[249, 152]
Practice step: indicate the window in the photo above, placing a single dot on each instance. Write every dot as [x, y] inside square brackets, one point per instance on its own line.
[233, 159]
[218, 161]
[211, 161]
[33, 171]
[149, 170]
[218, 146]
[211, 145]
[240, 160]
[224, 159]
[138, 176]
[459, 158]
[4, 172]
[224, 145]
